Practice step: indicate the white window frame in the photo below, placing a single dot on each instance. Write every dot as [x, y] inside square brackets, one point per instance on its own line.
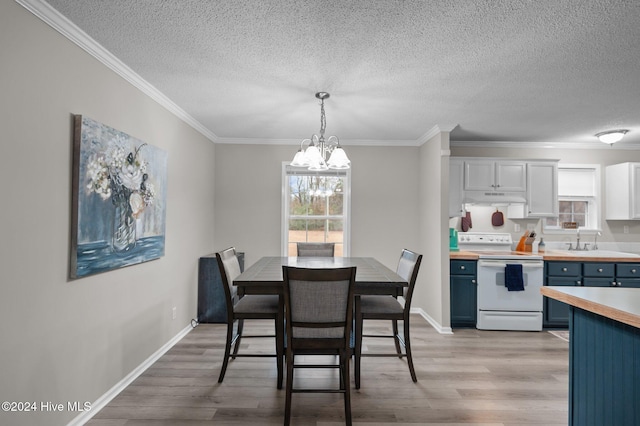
[595, 203]
[284, 247]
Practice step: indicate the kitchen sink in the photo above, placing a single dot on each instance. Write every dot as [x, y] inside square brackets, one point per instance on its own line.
[598, 253]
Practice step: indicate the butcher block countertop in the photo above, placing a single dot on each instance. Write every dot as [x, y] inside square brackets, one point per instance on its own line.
[576, 257]
[616, 303]
[550, 255]
[463, 255]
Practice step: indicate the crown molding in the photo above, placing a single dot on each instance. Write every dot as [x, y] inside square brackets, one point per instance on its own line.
[60, 23]
[435, 130]
[544, 145]
[343, 142]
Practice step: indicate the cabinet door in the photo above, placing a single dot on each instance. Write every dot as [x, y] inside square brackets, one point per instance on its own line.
[479, 175]
[511, 176]
[599, 270]
[456, 179]
[464, 295]
[556, 313]
[629, 282]
[542, 189]
[598, 282]
[622, 191]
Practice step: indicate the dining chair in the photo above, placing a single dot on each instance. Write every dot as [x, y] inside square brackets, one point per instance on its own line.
[381, 307]
[319, 314]
[316, 249]
[248, 307]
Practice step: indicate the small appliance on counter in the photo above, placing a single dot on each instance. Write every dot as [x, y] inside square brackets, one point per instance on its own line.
[453, 240]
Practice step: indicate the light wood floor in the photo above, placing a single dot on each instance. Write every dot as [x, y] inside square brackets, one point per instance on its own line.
[469, 378]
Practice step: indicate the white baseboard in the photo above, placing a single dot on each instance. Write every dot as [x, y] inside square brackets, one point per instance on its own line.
[435, 324]
[101, 402]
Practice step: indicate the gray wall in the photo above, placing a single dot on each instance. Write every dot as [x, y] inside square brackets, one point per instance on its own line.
[68, 340]
[384, 187]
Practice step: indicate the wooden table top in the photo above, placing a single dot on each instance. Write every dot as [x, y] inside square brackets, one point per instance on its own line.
[369, 273]
[619, 304]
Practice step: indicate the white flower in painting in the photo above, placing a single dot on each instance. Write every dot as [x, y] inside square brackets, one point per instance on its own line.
[98, 174]
[137, 204]
[131, 177]
[149, 193]
[121, 173]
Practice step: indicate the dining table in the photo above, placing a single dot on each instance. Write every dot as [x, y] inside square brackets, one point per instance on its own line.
[372, 277]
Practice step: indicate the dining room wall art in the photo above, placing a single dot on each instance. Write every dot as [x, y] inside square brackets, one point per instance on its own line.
[119, 199]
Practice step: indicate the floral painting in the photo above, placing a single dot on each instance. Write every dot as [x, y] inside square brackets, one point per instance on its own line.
[119, 188]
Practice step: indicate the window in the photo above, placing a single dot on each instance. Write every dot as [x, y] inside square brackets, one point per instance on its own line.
[578, 189]
[315, 208]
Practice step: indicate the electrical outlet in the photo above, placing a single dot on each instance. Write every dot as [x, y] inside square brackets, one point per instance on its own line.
[174, 313]
[531, 226]
[625, 229]
[516, 227]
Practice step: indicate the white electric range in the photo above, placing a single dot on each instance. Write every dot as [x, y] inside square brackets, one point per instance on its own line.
[499, 308]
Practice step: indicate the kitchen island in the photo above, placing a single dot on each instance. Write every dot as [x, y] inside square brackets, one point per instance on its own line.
[604, 354]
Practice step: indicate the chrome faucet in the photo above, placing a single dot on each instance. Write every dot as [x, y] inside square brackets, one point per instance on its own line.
[578, 242]
[578, 239]
[595, 241]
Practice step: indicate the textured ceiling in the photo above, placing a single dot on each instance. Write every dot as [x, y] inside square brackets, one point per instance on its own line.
[502, 70]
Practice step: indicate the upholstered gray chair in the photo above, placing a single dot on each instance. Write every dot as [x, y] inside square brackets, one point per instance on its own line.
[380, 307]
[248, 307]
[316, 249]
[319, 312]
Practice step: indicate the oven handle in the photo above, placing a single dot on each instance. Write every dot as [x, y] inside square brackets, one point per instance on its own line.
[537, 264]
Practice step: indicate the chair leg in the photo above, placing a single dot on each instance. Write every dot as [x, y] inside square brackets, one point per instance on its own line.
[287, 405]
[396, 338]
[227, 352]
[407, 348]
[238, 337]
[279, 324]
[357, 350]
[344, 359]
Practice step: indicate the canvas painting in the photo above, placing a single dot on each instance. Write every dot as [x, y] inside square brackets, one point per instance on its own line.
[119, 199]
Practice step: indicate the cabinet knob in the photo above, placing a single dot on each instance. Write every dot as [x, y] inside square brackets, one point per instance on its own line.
[614, 284]
[473, 281]
[633, 271]
[578, 282]
[564, 269]
[599, 269]
[462, 268]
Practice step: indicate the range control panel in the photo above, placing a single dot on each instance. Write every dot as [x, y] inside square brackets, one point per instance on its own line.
[495, 239]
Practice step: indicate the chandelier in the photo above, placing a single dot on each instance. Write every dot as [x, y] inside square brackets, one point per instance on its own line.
[321, 154]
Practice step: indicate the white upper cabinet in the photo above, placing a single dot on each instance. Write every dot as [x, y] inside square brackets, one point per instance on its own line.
[490, 175]
[622, 193]
[542, 189]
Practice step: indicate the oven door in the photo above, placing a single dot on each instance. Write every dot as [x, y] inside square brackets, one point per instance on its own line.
[493, 294]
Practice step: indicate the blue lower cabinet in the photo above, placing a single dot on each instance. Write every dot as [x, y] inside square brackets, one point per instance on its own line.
[555, 313]
[463, 293]
[604, 371]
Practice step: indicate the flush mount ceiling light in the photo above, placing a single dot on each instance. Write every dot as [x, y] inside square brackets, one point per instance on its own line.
[611, 136]
[321, 154]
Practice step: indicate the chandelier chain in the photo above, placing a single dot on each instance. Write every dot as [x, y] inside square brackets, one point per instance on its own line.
[323, 119]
